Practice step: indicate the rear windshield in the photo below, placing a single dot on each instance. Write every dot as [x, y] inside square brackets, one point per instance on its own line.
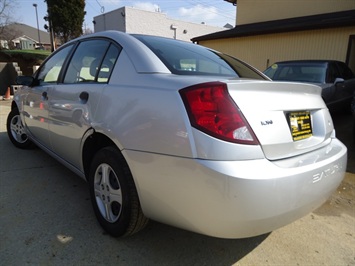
[183, 58]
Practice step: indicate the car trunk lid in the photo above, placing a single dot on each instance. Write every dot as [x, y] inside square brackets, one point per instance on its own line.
[287, 118]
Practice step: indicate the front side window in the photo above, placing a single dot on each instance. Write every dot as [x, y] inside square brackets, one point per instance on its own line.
[345, 71]
[50, 70]
[332, 73]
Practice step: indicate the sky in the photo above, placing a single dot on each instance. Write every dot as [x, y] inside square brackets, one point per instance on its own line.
[212, 12]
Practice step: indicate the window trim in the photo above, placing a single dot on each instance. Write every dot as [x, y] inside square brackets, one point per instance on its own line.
[69, 57]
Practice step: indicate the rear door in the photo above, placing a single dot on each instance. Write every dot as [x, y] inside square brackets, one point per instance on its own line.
[72, 103]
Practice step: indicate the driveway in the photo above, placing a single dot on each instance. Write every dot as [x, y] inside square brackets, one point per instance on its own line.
[46, 218]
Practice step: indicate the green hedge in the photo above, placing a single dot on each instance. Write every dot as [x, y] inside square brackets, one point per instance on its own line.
[28, 54]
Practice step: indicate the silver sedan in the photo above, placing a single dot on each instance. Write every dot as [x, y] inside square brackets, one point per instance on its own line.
[181, 134]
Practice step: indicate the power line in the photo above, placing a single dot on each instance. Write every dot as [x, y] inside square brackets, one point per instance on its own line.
[102, 7]
[208, 4]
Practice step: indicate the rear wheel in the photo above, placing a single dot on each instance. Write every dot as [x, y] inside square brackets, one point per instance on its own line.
[113, 194]
[16, 130]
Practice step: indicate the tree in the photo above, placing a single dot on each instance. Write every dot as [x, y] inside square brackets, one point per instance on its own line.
[5, 12]
[6, 7]
[3, 7]
[66, 17]
[7, 34]
[87, 31]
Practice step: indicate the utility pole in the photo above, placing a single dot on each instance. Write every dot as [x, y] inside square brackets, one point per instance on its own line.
[39, 36]
[51, 32]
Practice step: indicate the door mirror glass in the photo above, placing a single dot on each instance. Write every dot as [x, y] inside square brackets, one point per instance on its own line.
[25, 80]
[338, 80]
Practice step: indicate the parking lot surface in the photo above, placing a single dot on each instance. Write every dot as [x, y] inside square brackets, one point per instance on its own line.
[46, 219]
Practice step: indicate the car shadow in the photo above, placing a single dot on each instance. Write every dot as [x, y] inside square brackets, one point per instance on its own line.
[162, 244]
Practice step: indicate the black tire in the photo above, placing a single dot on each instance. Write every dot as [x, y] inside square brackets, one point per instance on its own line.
[16, 130]
[113, 194]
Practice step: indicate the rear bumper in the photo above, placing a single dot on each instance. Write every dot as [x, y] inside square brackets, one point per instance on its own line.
[235, 199]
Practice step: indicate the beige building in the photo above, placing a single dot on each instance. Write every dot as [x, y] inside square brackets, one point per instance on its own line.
[268, 31]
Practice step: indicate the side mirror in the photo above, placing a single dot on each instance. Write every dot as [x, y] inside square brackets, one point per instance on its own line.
[338, 80]
[25, 80]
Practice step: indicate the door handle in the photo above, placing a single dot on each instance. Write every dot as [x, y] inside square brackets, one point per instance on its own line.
[84, 97]
[44, 96]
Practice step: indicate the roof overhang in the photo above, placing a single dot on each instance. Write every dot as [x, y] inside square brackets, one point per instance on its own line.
[234, 2]
[322, 21]
[24, 38]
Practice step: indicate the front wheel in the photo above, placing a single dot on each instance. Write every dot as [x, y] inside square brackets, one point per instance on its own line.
[16, 130]
[113, 194]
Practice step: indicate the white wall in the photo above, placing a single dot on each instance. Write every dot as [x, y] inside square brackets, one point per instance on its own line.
[132, 20]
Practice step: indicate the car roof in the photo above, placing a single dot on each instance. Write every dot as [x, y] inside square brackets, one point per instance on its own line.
[305, 61]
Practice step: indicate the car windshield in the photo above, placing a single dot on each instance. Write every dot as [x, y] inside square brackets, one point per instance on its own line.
[310, 72]
[183, 58]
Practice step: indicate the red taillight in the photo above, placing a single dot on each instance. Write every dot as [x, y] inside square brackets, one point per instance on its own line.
[213, 111]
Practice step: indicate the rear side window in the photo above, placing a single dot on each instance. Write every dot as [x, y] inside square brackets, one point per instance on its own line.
[93, 61]
[104, 71]
[183, 58]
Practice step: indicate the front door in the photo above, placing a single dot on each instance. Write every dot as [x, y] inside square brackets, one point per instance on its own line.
[35, 107]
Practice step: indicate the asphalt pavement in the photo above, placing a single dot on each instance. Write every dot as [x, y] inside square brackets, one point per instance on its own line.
[46, 218]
